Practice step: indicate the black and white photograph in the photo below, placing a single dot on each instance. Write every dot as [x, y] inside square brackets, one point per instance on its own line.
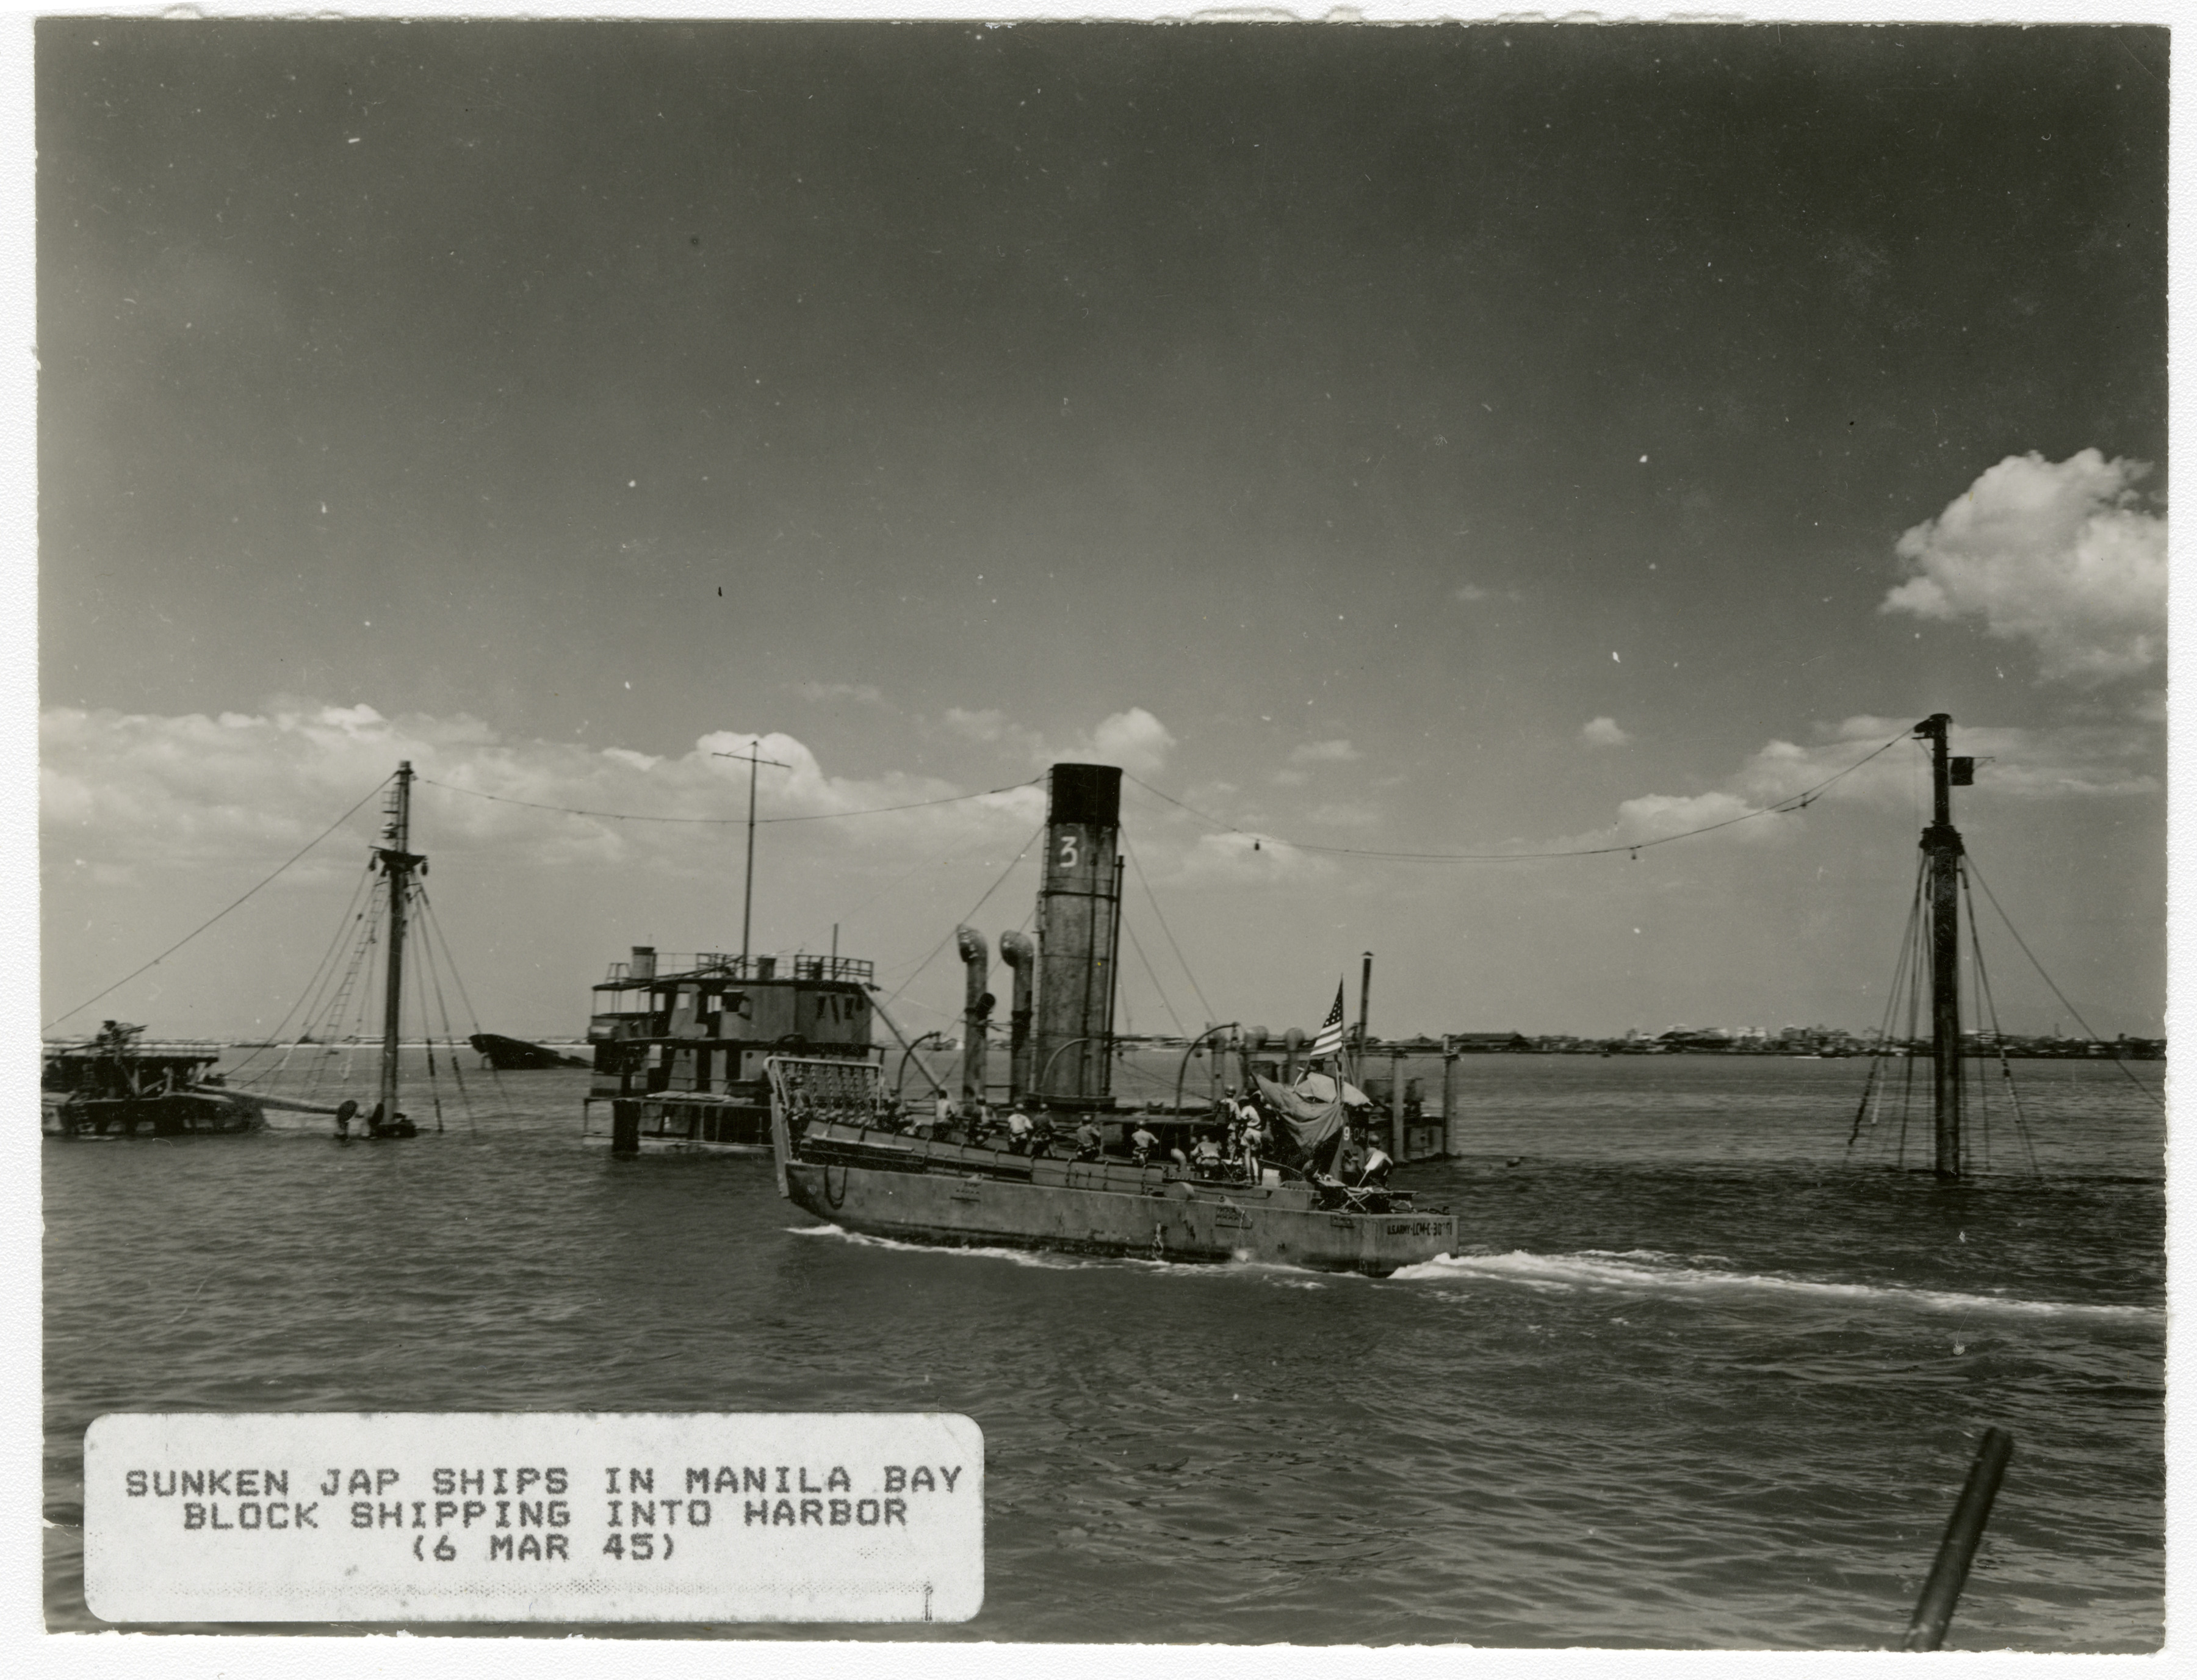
[1366, 821]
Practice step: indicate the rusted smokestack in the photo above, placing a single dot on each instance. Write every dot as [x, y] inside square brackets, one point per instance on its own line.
[1019, 952]
[975, 1014]
[1078, 918]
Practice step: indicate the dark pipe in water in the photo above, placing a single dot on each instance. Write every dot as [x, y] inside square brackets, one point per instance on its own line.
[1934, 1609]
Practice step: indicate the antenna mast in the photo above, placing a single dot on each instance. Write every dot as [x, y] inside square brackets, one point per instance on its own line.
[747, 896]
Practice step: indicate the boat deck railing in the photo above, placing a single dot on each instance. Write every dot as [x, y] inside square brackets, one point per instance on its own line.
[847, 1140]
[718, 964]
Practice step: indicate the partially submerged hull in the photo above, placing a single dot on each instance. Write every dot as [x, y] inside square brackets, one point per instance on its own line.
[968, 1197]
[510, 1055]
[174, 1114]
[684, 1125]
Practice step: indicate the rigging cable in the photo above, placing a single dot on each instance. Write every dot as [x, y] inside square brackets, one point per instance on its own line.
[944, 858]
[218, 914]
[1873, 1085]
[324, 1023]
[1152, 898]
[2157, 1096]
[325, 966]
[1918, 965]
[1792, 802]
[905, 1045]
[722, 822]
[458, 979]
[1987, 1002]
[426, 1033]
[1976, 1002]
[973, 909]
[1166, 1003]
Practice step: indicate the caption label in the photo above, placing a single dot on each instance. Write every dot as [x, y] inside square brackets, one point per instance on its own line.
[556, 1516]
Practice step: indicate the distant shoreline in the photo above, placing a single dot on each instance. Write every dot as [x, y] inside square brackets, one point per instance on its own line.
[2054, 1049]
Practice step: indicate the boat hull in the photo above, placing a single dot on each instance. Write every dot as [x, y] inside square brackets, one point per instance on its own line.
[1172, 1222]
[174, 1116]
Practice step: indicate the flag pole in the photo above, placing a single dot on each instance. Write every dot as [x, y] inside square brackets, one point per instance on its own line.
[1364, 991]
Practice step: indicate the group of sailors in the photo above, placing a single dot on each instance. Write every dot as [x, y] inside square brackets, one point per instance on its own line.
[1235, 1146]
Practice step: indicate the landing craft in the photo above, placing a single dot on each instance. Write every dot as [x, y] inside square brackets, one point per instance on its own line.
[847, 1153]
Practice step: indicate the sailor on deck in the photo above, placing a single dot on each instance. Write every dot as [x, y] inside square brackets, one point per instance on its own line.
[1205, 1156]
[1018, 1131]
[1089, 1141]
[1250, 1139]
[1142, 1142]
[1349, 1158]
[1374, 1170]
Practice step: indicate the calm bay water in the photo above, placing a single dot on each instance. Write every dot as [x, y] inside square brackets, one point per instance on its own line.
[1694, 1379]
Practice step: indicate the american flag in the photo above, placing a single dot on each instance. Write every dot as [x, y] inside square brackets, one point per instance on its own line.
[1329, 1041]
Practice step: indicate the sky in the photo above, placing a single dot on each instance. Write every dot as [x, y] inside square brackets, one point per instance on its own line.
[1491, 440]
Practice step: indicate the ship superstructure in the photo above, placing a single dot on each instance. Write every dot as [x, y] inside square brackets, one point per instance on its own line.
[680, 1042]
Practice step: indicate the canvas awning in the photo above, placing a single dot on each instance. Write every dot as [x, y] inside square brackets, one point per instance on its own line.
[1317, 1087]
[1307, 1128]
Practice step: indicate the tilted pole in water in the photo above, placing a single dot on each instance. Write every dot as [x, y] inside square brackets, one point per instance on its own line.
[398, 862]
[1926, 1630]
[1941, 847]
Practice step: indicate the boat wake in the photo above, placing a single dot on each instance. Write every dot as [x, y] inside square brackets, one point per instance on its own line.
[1288, 1276]
[1646, 1271]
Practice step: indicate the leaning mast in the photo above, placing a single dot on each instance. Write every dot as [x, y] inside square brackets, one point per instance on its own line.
[1942, 852]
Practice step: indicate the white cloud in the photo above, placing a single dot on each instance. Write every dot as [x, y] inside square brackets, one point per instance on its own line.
[1469, 592]
[1323, 753]
[183, 792]
[1602, 731]
[2075, 760]
[2057, 555]
[866, 693]
[1344, 816]
[2089, 761]
[1134, 739]
[987, 726]
[148, 824]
